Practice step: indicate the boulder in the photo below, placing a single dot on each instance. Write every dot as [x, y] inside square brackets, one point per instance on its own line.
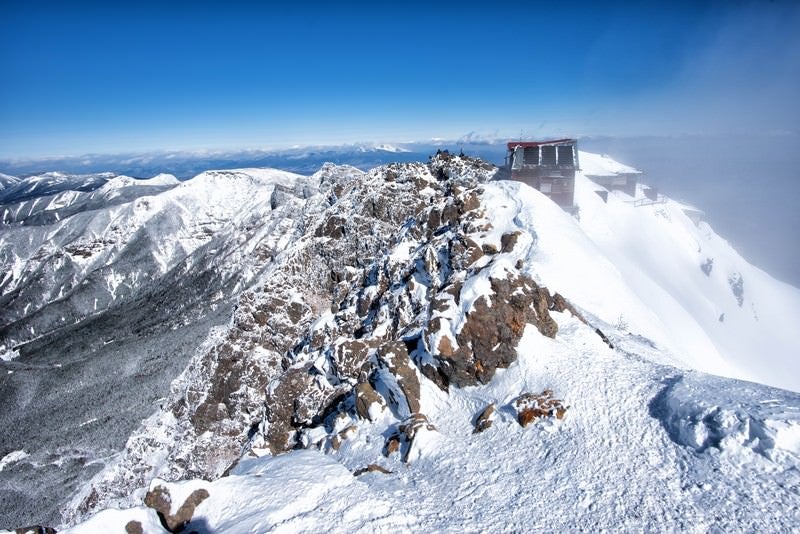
[489, 337]
[406, 438]
[485, 419]
[349, 357]
[530, 407]
[366, 398]
[160, 500]
[541, 305]
[371, 468]
[560, 304]
[509, 241]
[347, 433]
[394, 356]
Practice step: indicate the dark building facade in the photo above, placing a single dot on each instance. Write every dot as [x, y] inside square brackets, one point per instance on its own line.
[548, 166]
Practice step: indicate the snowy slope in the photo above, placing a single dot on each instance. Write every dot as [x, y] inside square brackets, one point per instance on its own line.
[645, 444]
[7, 181]
[734, 320]
[613, 463]
[105, 250]
[50, 183]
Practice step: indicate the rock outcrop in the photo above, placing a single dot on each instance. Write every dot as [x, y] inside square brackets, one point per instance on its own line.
[398, 277]
[530, 407]
[159, 499]
[406, 439]
[485, 419]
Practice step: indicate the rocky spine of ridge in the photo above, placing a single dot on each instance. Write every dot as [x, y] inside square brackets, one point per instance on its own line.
[396, 279]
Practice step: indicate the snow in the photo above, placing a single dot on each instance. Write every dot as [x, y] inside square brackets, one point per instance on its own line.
[602, 165]
[613, 463]
[390, 148]
[658, 251]
[160, 179]
[7, 181]
[641, 266]
[12, 458]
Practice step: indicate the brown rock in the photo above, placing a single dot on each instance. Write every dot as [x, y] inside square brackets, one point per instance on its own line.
[349, 357]
[392, 445]
[473, 252]
[340, 437]
[134, 527]
[445, 346]
[484, 419]
[560, 304]
[472, 201]
[280, 404]
[541, 304]
[489, 248]
[509, 241]
[408, 430]
[434, 220]
[333, 227]
[394, 355]
[531, 407]
[160, 500]
[450, 213]
[371, 468]
[490, 335]
[366, 396]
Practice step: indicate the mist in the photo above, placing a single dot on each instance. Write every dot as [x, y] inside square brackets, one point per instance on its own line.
[747, 185]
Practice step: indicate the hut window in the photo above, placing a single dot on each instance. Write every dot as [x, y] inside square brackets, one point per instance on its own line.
[546, 188]
[565, 155]
[548, 155]
[531, 155]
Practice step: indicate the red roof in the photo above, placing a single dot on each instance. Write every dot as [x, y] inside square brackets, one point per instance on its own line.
[524, 144]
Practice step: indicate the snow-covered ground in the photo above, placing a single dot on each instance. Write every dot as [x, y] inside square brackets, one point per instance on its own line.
[649, 441]
[643, 447]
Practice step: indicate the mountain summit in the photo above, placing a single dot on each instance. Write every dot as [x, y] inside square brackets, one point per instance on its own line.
[414, 347]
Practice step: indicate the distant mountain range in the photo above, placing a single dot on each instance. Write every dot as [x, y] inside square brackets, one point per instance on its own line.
[301, 160]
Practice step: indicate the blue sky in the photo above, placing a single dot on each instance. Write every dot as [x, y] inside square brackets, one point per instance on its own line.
[109, 77]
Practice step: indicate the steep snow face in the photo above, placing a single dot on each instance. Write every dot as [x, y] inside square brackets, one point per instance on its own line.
[722, 314]
[638, 442]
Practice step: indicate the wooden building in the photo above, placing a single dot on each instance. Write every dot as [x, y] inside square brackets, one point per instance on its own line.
[548, 166]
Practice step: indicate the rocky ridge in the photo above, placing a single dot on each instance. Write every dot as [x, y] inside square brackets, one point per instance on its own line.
[398, 277]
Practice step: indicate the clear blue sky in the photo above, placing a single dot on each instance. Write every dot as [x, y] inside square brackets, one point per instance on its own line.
[101, 77]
